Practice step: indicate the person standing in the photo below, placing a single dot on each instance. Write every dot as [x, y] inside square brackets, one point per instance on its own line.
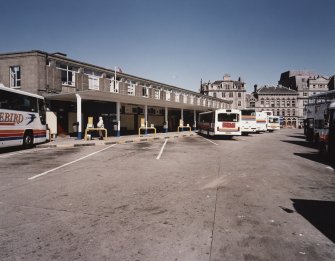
[100, 125]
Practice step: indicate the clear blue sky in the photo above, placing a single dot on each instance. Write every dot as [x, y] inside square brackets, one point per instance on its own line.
[179, 42]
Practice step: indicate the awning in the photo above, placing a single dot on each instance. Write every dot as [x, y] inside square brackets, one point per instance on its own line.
[92, 95]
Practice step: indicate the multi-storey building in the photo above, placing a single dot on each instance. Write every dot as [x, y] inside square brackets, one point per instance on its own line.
[122, 99]
[280, 100]
[331, 84]
[227, 89]
[306, 83]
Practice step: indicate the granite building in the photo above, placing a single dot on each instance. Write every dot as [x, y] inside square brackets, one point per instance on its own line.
[306, 83]
[227, 89]
[280, 100]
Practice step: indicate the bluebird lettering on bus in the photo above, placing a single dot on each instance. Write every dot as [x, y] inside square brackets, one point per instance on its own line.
[11, 118]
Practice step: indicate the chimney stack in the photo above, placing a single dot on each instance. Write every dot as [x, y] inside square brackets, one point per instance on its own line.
[255, 88]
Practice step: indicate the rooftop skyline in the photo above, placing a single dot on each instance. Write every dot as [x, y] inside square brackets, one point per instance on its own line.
[180, 42]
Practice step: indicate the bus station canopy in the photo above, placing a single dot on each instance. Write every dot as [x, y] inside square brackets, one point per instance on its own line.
[93, 95]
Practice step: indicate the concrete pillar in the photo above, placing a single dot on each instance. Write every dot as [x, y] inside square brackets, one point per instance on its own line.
[146, 118]
[182, 114]
[79, 135]
[118, 109]
[195, 120]
[166, 125]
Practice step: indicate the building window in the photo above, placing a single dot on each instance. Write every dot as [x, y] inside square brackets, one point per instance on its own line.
[239, 95]
[267, 103]
[293, 112]
[145, 91]
[168, 95]
[288, 103]
[239, 103]
[293, 103]
[131, 88]
[157, 94]
[93, 82]
[283, 103]
[67, 74]
[176, 97]
[15, 76]
[252, 104]
[272, 103]
[191, 99]
[283, 113]
[231, 95]
[304, 94]
[214, 94]
[262, 102]
[223, 94]
[185, 98]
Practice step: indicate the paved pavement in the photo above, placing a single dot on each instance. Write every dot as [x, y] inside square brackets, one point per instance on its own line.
[253, 198]
[67, 141]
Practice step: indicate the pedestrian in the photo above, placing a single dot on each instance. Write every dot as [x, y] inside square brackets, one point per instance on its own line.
[100, 125]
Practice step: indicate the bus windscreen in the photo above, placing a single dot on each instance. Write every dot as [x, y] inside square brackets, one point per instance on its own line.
[225, 117]
[273, 120]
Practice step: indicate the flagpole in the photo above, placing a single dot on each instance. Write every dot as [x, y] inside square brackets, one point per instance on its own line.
[114, 77]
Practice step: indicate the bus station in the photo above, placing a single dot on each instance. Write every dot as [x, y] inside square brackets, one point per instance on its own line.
[76, 90]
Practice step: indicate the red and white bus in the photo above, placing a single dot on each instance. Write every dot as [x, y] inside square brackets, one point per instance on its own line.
[22, 118]
[320, 121]
[261, 121]
[248, 123]
[221, 122]
[273, 123]
[327, 134]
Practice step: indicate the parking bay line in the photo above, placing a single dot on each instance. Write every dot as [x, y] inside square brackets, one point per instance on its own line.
[69, 163]
[208, 140]
[161, 151]
[22, 152]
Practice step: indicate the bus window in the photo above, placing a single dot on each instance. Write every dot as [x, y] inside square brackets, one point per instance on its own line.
[42, 111]
[224, 117]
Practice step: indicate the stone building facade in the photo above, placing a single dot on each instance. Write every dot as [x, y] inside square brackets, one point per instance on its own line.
[280, 100]
[306, 83]
[227, 89]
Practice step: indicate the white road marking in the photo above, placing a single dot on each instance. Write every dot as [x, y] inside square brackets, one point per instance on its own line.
[66, 164]
[160, 153]
[22, 152]
[209, 140]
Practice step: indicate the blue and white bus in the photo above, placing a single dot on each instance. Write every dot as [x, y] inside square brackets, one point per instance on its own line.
[22, 118]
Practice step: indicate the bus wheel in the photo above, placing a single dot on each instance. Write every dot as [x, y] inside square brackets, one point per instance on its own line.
[28, 140]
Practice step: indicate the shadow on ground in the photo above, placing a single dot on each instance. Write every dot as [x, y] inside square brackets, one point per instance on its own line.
[321, 214]
[298, 136]
[317, 157]
[218, 137]
[300, 143]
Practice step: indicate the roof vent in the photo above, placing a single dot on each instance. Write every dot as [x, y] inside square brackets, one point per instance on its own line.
[59, 54]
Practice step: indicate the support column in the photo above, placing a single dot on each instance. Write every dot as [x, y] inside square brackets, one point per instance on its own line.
[195, 120]
[146, 118]
[118, 109]
[79, 135]
[166, 124]
[182, 118]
